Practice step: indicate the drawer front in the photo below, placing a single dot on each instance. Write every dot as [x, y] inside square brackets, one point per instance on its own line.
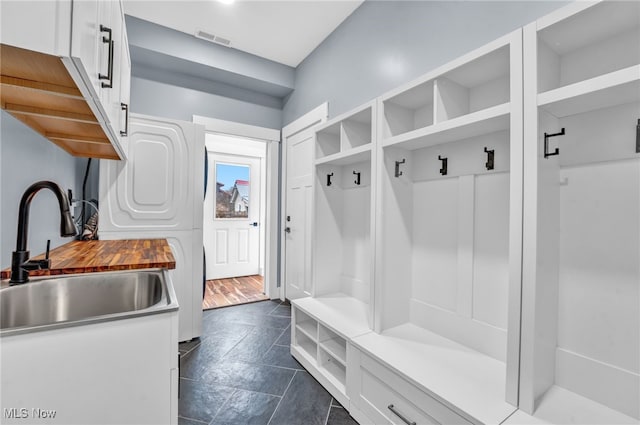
[386, 398]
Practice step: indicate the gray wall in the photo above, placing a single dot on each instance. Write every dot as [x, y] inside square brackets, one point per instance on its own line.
[384, 44]
[26, 157]
[170, 101]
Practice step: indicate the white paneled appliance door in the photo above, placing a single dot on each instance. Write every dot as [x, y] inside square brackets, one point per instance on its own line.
[235, 216]
[157, 193]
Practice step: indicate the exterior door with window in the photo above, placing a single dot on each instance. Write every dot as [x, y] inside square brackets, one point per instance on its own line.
[234, 193]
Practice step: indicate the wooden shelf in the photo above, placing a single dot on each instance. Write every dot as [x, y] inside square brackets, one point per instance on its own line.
[486, 121]
[615, 88]
[465, 380]
[38, 90]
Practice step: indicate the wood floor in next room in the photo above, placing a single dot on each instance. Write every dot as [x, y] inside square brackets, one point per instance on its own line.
[232, 291]
[240, 372]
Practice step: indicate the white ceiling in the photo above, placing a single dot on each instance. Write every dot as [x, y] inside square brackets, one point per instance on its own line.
[282, 31]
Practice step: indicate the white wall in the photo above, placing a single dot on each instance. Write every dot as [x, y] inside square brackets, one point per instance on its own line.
[384, 44]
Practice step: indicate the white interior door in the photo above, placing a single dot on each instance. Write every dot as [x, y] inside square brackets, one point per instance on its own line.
[235, 198]
[298, 212]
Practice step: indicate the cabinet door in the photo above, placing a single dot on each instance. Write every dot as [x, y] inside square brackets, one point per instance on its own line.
[112, 93]
[86, 43]
[41, 26]
[125, 91]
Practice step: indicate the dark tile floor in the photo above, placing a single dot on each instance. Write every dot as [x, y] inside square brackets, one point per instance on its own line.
[240, 372]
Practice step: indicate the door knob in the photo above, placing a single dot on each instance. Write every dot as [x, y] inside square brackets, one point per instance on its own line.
[254, 224]
[287, 229]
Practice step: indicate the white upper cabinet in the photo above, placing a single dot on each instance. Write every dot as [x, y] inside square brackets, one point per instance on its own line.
[62, 67]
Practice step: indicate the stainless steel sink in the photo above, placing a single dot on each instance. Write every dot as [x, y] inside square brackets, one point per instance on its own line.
[85, 298]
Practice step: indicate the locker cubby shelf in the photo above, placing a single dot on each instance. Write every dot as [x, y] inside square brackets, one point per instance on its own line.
[333, 344]
[335, 369]
[465, 92]
[486, 121]
[584, 41]
[449, 249]
[343, 247]
[307, 345]
[309, 328]
[359, 154]
[339, 318]
[347, 134]
[583, 283]
[616, 88]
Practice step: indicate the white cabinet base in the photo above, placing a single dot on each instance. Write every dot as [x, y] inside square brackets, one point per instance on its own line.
[119, 372]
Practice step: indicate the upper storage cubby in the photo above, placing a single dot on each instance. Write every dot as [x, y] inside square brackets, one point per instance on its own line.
[473, 86]
[349, 134]
[589, 57]
[408, 109]
[467, 97]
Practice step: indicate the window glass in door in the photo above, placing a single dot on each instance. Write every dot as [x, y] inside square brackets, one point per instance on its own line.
[233, 186]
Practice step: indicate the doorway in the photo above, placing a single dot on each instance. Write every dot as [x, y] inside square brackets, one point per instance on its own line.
[297, 189]
[233, 221]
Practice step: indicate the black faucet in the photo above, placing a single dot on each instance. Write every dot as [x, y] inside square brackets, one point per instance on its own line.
[20, 264]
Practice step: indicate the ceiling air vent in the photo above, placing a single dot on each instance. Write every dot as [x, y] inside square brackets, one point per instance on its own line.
[222, 41]
[212, 38]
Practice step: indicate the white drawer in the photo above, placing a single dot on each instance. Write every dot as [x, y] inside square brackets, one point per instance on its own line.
[376, 388]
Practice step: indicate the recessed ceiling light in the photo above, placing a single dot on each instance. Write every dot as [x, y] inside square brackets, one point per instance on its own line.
[227, 1]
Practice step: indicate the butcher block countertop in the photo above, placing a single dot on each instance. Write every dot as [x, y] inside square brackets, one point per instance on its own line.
[105, 256]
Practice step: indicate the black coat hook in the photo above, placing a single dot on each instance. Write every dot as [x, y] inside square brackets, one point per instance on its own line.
[357, 180]
[546, 143]
[398, 172]
[490, 156]
[443, 170]
[329, 179]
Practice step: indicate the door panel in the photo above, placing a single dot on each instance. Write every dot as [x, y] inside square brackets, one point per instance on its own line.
[298, 214]
[156, 188]
[232, 207]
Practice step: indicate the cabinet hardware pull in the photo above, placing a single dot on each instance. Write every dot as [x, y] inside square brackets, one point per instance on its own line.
[125, 108]
[357, 180]
[546, 143]
[108, 40]
[400, 415]
[638, 137]
[329, 179]
[490, 158]
[443, 169]
[398, 173]
[179, 374]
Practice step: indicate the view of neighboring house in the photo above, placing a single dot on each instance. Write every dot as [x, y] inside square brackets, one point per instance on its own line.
[232, 203]
[240, 197]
